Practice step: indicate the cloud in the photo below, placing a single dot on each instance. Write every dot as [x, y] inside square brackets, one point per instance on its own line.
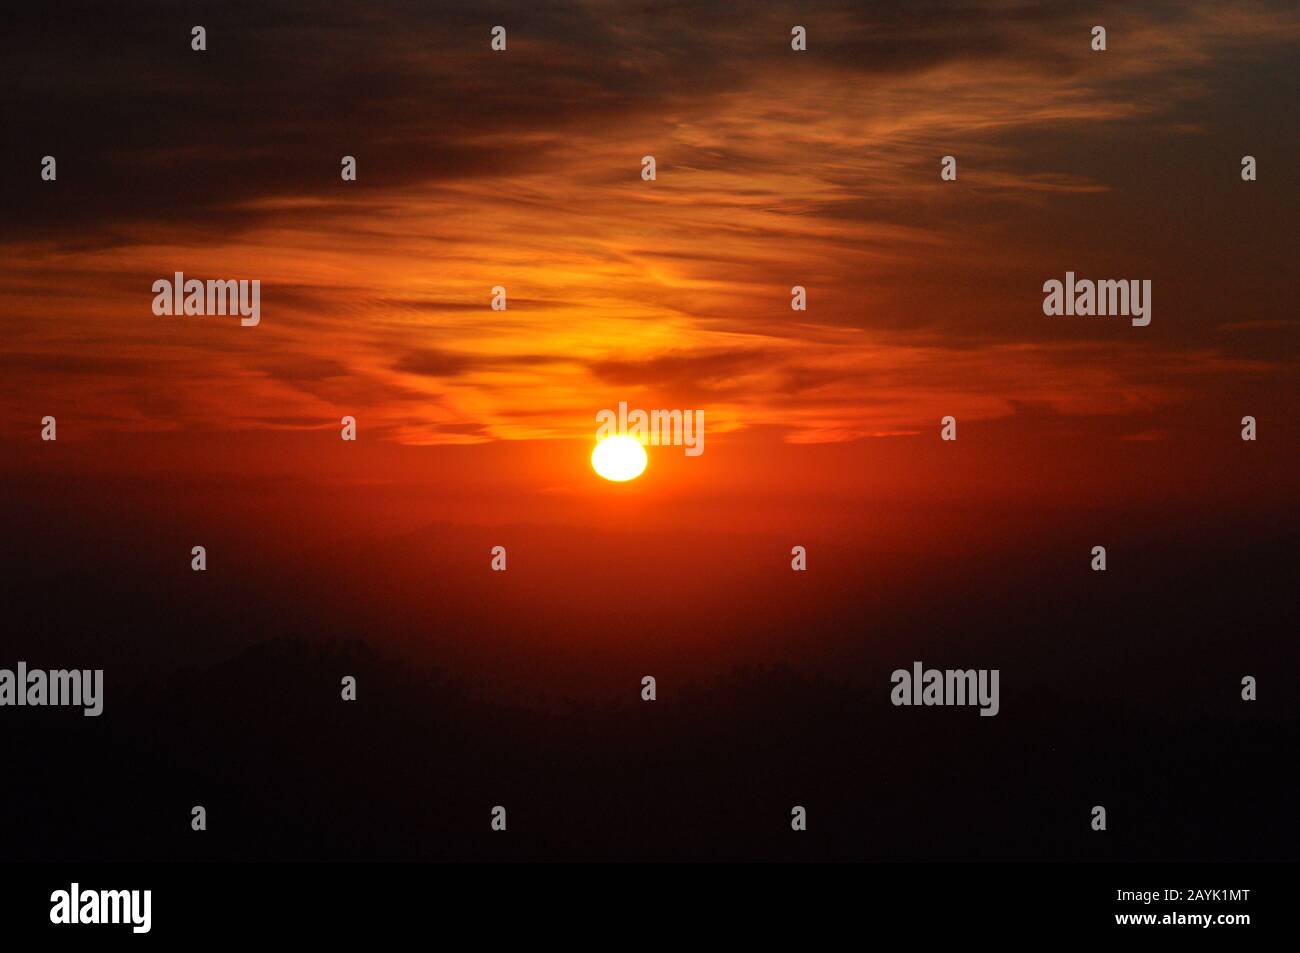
[522, 170]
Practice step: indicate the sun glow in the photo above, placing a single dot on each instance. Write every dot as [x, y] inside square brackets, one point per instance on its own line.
[619, 458]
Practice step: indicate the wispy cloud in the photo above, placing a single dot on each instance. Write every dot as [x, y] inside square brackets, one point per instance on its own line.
[522, 170]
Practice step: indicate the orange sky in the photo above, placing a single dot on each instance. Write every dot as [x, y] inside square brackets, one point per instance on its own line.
[818, 169]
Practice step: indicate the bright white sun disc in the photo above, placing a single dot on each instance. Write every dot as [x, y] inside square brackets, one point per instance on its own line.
[619, 458]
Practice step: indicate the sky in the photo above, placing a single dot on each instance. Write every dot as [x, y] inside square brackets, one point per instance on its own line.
[775, 168]
[522, 169]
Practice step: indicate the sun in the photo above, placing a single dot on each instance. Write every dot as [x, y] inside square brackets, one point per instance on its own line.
[619, 458]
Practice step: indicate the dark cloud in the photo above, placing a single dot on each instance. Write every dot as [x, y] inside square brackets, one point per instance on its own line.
[440, 305]
[144, 128]
[433, 363]
[707, 370]
[17, 362]
[303, 368]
